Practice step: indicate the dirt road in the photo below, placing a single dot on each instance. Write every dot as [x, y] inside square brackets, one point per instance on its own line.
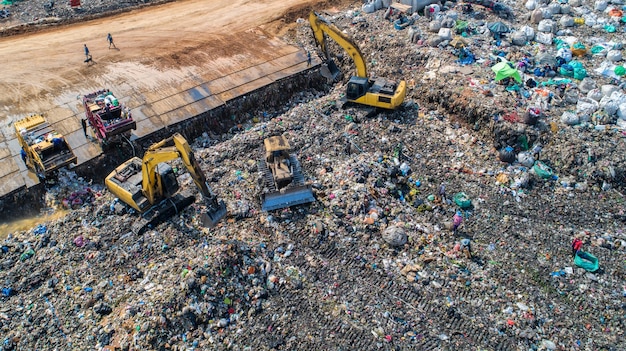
[154, 45]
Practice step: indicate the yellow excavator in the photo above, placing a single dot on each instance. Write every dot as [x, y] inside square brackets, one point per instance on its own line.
[376, 92]
[150, 186]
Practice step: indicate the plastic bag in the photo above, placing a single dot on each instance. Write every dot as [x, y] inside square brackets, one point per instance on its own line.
[462, 200]
[586, 261]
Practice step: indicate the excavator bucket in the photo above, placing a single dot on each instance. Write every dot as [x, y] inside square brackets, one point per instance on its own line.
[287, 197]
[213, 215]
[330, 71]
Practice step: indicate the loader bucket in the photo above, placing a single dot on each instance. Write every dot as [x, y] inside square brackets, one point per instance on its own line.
[213, 215]
[287, 198]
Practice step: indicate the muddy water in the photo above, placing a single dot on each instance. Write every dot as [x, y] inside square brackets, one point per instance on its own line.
[26, 223]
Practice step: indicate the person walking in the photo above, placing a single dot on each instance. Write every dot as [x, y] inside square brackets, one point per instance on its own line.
[308, 58]
[83, 123]
[87, 54]
[110, 40]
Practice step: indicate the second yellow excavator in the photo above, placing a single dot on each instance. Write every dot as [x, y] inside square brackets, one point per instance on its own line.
[376, 92]
[150, 186]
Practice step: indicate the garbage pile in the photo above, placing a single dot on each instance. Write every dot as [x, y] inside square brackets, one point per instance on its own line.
[447, 224]
[33, 12]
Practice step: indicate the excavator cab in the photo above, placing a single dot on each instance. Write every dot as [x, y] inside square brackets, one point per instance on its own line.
[357, 87]
[168, 178]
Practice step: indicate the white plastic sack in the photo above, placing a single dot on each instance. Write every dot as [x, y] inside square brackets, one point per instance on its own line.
[575, 3]
[525, 159]
[434, 26]
[518, 38]
[608, 89]
[569, 118]
[566, 21]
[546, 13]
[531, 5]
[614, 55]
[544, 38]
[590, 19]
[570, 40]
[586, 85]
[595, 94]
[609, 106]
[621, 111]
[452, 14]
[586, 106]
[448, 22]
[571, 96]
[414, 35]
[555, 8]
[546, 26]
[565, 53]
[369, 7]
[386, 3]
[566, 9]
[601, 5]
[445, 33]
[529, 31]
[606, 69]
[618, 97]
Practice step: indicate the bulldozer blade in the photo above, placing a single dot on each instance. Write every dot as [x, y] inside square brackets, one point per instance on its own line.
[287, 198]
[213, 215]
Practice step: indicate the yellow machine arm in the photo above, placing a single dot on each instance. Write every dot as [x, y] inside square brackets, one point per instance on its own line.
[164, 151]
[321, 26]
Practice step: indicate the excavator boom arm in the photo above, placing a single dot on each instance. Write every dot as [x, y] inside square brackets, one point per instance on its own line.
[321, 27]
[160, 152]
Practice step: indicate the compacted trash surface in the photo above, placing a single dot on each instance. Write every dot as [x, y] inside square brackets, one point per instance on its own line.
[444, 225]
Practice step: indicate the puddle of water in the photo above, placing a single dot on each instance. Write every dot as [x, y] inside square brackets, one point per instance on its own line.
[27, 223]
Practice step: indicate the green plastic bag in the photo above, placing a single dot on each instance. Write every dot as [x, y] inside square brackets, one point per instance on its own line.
[566, 72]
[597, 49]
[576, 64]
[542, 170]
[619, 70]
[580, 73]
[462, 200]
[586, 261]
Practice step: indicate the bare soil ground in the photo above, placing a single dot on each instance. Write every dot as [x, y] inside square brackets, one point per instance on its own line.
[176, 34]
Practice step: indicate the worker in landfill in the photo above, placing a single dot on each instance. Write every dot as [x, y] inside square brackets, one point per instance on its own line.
[466, 247]
[87, 54]
[308, 58]
[442, 192]
[577, 245]
[110, 40]
[348, 147]
[457, 219]
[83, 123]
